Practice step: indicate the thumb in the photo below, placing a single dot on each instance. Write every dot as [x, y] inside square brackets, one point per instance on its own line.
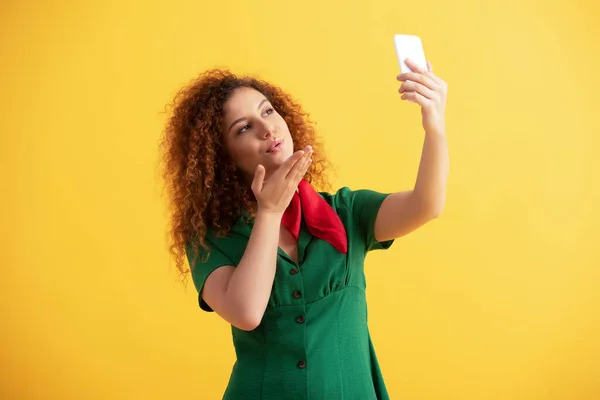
[259, 178]
[429, 67]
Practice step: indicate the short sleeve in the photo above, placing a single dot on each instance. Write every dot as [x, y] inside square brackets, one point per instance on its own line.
[364, 205]
[201, 270]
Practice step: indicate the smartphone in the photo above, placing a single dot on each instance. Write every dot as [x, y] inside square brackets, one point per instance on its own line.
[409, 46]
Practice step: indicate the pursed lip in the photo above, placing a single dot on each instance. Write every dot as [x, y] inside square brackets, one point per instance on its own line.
[276, 145]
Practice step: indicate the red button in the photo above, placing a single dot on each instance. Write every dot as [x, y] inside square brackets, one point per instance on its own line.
[302, 364]
[296, 294]
[300, 319]
[294, 271]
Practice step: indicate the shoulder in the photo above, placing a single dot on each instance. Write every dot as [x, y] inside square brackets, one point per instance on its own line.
[204, 261]
[341, 197]
[353, 199]
[358, 210]
[229, 247]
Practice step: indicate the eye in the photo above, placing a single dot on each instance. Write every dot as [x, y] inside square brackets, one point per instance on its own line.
[269, 111]
[244, 129]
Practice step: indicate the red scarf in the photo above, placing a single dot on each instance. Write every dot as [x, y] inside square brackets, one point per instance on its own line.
[320, 217]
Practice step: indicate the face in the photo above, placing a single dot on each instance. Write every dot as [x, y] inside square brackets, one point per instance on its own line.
[254, 133]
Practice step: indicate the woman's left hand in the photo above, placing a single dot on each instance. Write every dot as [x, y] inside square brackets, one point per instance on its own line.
[427, 90]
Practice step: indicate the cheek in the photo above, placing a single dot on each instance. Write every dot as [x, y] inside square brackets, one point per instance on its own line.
[245, 154]
[282, 123]
[286, 129]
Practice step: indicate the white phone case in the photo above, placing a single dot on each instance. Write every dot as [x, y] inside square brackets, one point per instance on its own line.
[409, 46]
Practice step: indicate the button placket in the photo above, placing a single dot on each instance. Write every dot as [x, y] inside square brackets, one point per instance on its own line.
[296, 292]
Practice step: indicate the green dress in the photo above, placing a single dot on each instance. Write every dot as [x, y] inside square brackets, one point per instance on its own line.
[313, 341]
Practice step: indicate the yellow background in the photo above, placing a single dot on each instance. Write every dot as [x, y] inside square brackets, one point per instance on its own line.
[497, 299]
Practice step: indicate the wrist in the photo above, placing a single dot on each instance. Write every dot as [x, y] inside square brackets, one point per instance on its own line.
[436, 132]
[268, 215]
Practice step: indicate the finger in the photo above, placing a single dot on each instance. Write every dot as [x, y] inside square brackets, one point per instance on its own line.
[258, 181]
[432, 75]
[415, 67]
[427, 70]
[302, 171]
[419, 78]
[285, 168]
[298, 165]
[300, 174]
[410, 86]
[416, 98]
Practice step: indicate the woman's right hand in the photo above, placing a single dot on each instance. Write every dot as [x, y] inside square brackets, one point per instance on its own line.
[275, 195]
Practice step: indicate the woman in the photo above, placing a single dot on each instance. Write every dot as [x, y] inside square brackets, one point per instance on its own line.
[279, 261]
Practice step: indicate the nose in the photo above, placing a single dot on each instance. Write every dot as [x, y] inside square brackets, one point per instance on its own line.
[269, 130]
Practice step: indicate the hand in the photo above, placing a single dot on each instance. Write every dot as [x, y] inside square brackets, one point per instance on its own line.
[275, 195]
[424, 88]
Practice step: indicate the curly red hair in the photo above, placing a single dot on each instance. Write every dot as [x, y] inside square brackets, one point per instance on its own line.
[205, 189]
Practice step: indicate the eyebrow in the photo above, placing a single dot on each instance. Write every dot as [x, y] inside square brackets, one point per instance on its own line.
[241, 119]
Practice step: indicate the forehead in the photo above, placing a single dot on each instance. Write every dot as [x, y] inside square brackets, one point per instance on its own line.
[242, 100]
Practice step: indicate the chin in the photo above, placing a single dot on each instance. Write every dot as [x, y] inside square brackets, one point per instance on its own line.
[275, 162]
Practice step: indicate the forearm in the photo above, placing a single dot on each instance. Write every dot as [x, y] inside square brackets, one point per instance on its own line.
[250, 285]
[430, 187]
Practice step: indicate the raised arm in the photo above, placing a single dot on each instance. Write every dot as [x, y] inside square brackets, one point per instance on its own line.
[405, 211]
